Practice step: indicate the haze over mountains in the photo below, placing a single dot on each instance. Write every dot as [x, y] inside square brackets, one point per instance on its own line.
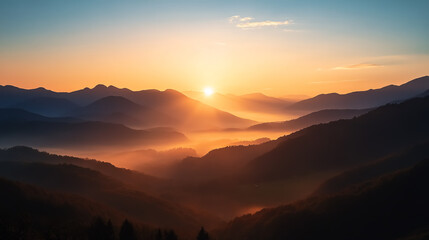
[339, 167]
[147, 108]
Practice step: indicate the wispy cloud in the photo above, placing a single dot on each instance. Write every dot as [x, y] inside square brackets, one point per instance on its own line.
[247, 23]
[357, 66]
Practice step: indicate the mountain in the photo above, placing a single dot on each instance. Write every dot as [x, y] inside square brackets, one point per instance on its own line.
[253, 102]
[363, 99]
[136, 179]
[345, 143]
[391, 163]
[245, 178]
[323, 116]
[392, 207]
[47, 106]
[19, 115]
[120, 110]
[30, 212]
[11, 95]
[105, 190]
[191, 114]
[81, 134]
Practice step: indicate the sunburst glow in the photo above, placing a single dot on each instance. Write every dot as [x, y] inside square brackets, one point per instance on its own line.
[208, 91]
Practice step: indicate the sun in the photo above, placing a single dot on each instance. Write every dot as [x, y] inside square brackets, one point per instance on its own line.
[208, 91]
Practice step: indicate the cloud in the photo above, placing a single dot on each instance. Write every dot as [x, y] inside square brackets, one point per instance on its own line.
[357, 66]
[246, 22]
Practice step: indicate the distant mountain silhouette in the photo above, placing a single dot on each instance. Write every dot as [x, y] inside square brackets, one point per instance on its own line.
[373, 170]
[123, 111]
[189, 113]
[393, 207]
[19, 115]
[363, 99]
[323, 116]
[425, 94]
[80, 134]
[48, 106]
[108, 191]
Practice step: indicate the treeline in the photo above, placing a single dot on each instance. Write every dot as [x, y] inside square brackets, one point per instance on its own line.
[104, 230]
[99, 229]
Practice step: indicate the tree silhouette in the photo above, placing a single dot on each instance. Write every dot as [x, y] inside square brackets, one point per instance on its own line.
[203, 235]
[127, 231]
[158, 235]
[99, 230]
[110, 233]
[170, 235]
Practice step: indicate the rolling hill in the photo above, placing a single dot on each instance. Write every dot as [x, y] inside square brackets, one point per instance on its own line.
[322, 116]
[105, 190]
[47, 106]
[123, 111]
[363, 99]
[345, 143]
[391, 163]
[30, 212]
[392, 207]
[293, 166]
[81, 134]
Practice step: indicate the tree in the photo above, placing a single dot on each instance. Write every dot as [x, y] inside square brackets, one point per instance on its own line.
[110, 233]
[158, 235]
[127, 231]
[99, 230]
[170, 235]
[203, 235]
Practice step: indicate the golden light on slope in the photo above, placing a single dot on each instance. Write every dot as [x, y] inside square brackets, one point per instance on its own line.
[208, 91]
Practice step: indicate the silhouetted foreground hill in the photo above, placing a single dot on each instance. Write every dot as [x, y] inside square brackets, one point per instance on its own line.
[391, 163]
[159, 108]
[342, 144]
[136, 179]
[29, 212]
[105, 190]
[364, 99]
[392, 207]
[323, 116]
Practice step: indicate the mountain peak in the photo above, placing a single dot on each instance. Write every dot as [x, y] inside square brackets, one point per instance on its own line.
[100, 86]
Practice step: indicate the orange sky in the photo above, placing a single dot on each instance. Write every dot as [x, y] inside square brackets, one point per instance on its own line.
[290, 54]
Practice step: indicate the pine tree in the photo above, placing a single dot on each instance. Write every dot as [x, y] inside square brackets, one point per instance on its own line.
[170, 235]
[99, 230]
[158, 235]
[203, 235]
[110, 233]
[127, 231]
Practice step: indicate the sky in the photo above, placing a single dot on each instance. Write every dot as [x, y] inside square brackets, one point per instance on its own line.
[280, 48]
